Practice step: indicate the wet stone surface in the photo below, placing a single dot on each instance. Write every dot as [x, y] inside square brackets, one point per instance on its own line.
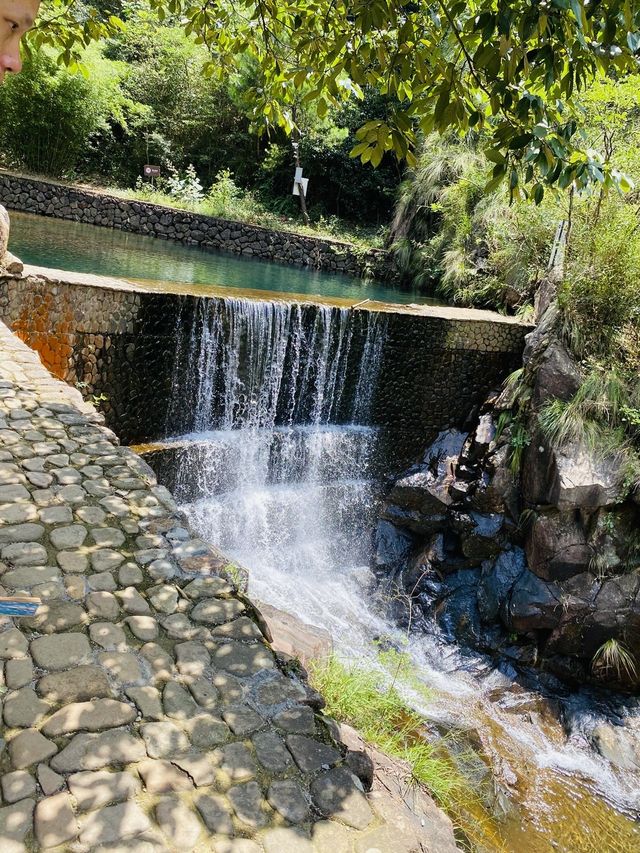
[140, 700]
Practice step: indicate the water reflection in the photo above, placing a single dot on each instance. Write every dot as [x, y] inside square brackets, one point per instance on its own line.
[60, 244]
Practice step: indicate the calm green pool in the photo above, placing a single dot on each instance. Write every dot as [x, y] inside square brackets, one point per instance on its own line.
[73, 246]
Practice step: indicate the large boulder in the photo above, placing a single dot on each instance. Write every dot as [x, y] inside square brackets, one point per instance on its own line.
[536, 341]
[497, 580]
[496, 489]
[392, 547]
[425, 487]
[534, 605]
[479, 539]
[484, 434]
[558, 545]
[557, 376]
[571, 476]
[593, 612]
[535, 476]
[618, 744]
[415, 521]
[583, 478]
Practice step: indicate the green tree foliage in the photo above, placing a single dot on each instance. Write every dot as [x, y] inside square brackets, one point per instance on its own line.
[452, 236]
[143, 96]
[187, 117]
[505, 67]
[340, 186]
[50, 114]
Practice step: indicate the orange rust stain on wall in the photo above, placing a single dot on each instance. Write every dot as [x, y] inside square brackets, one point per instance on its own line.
[46, 323]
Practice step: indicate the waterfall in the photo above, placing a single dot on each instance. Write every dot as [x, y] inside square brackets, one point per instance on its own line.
[280, 464]
[249, 364]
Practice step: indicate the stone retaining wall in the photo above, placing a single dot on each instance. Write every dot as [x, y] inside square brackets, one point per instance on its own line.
[94, 208]
[119, 342]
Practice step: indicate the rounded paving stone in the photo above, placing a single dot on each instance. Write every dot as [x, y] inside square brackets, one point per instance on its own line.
[178, 822]
[78, 685]
[57, 616]
[122, 666]
[17, 785]
[106, 559]
[108, 537]
[215, 611]
[288, 840]
[107, 635]
[215, 812]
[18, 673]
[91, 716]
[164, 739]
[248, 805]
[29, 576]
[13, 644]
[90, 514]
[22, 709]
[72, 561]
[24, 554]
[30, 747]
[21, 533]
[60, 651]
[336, 795]
[113, 823]
[63, 538]
[242, 660]
[287, 797]
[93, 789]
[54, 821]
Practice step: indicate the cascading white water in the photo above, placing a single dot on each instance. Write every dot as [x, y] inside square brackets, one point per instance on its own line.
[284, 489]
[283, 477]
[248, 364]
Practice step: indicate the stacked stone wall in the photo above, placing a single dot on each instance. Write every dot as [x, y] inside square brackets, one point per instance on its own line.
[118, 343]
[78, 204]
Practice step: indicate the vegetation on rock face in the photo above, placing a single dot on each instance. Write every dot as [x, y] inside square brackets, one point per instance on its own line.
[362, 699]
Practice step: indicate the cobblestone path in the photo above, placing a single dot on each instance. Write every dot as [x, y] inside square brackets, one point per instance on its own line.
[142, 708]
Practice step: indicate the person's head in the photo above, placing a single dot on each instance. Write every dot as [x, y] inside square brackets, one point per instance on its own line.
[16, 17]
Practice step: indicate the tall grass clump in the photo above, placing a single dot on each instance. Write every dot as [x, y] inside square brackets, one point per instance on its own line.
[361, 698]
[600, 295]
[614, 658]
[365, 700]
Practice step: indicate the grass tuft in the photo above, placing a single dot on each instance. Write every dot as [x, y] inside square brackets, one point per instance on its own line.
[614, 657]
[361, 699]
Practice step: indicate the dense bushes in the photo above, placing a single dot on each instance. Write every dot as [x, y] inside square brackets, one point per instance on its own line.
[145, 97]
[51, 117]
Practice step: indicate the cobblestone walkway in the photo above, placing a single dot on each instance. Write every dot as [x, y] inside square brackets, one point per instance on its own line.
[142, 708]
